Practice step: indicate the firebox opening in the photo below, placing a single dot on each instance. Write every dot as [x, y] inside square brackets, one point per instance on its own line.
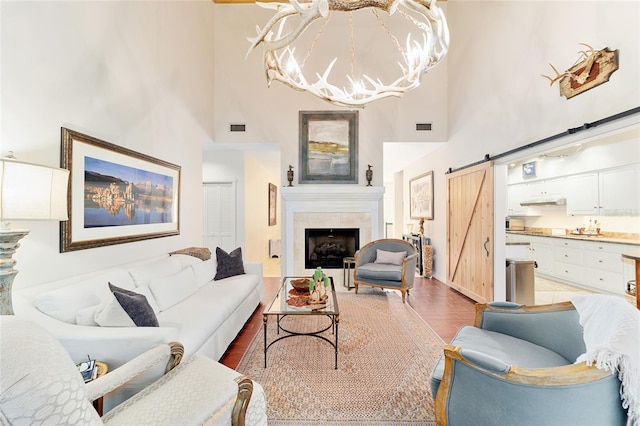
[326, 247]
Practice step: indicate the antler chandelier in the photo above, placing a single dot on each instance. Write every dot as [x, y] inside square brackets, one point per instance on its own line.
[427, 43]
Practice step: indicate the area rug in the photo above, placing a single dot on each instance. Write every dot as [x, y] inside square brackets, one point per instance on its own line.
[386, 353]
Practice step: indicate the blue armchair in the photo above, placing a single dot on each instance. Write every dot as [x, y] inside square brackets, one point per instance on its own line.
[516, 366]
[376, 265]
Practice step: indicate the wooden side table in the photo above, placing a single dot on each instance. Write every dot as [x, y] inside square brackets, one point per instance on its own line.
[103, 369]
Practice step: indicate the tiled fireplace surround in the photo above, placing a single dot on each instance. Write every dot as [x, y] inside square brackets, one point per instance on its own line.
[327, 206]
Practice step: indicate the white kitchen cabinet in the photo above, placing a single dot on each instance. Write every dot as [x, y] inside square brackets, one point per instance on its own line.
[619, 191]
[542, 251]
[545, 189]
[516, 194]
[569, 272]
[606, 192]
[582, 194]
[589, 263]
[604, 267]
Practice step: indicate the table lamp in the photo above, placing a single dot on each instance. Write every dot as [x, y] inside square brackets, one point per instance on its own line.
[27, 192]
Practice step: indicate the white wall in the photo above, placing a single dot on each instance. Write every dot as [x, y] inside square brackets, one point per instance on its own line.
[261, 169]
[497, 99]
[137, 74]
[271, 113]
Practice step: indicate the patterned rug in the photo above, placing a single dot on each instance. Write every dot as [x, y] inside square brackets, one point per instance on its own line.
[385, 355]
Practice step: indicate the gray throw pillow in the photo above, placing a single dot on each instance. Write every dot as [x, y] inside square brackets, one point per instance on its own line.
[136, 306]
[229, 264]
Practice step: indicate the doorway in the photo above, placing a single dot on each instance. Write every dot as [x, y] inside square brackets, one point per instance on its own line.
[220, 226]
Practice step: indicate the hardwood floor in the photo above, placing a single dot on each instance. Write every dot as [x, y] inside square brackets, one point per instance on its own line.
[444, 309]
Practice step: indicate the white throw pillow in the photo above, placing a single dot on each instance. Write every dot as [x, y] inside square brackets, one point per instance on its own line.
[390, 257]
[204, 271]
[87, 316]
[145, 273]
[111, 314]
[146, 292]
[187, 260]
[171, 290]
[64, 303]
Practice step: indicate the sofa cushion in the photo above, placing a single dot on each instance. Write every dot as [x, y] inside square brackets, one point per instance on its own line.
[87, 316]
[379, 271]
[111, 314]
[143, 274]
[186, 260]
[204, 271]
[146, 292]
[391, 257]
[229, 264]
[64, 303]
[215, 302]
[173, 289]
[136, 306]
[503, 347]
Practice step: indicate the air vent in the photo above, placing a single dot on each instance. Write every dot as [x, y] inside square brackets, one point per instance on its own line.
[423, 127]
[238, 127]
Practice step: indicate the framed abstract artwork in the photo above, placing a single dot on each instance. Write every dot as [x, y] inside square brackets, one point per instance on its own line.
[116, 195]
[328, 146]
[421, 196]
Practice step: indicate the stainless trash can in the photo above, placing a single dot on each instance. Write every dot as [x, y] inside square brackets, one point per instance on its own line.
[521, 281]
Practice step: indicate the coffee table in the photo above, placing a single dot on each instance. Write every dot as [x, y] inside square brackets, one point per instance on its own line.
[280, 309]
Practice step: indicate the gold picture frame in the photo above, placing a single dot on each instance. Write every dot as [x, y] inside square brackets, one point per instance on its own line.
[116, 195]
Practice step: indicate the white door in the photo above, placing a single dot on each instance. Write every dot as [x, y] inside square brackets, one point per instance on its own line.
[220, 227]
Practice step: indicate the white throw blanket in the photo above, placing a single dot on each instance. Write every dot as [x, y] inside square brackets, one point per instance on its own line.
[612, 338]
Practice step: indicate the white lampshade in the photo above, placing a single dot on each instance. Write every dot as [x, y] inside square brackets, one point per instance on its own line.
[32, 192]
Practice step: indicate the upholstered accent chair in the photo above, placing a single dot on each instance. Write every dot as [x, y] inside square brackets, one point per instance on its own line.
[517, 366]
[40, 384]
[387, 263]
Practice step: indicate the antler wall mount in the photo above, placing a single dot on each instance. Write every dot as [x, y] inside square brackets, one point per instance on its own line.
[593, 69]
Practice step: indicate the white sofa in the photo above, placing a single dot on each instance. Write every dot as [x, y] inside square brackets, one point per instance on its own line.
[191, 308]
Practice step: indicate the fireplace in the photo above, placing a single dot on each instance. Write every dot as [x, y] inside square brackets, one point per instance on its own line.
[326, 247]
[326, 206]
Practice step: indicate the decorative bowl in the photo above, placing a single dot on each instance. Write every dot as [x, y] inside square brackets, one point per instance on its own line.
[300, 284]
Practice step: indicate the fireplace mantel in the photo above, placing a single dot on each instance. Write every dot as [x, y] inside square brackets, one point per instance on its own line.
[317, 206]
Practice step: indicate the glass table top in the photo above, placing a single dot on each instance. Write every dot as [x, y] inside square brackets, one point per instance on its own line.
[279, 306]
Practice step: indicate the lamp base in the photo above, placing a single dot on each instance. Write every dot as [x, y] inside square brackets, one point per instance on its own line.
[9, 243]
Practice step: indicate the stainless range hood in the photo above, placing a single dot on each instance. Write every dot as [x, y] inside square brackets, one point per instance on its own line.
[558, 201]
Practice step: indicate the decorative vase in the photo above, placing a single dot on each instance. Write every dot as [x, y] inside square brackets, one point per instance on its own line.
[290, 175]
[369, 175]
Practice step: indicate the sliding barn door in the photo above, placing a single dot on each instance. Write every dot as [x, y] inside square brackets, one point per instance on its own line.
[470, 231]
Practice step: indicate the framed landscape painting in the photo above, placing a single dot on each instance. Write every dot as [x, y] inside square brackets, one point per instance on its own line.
[116, 195]
[328, 146]
[421, 196]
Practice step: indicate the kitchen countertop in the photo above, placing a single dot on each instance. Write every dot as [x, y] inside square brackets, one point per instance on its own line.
[594, 238]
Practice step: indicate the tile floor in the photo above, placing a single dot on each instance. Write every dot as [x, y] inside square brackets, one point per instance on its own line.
[549, 291]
